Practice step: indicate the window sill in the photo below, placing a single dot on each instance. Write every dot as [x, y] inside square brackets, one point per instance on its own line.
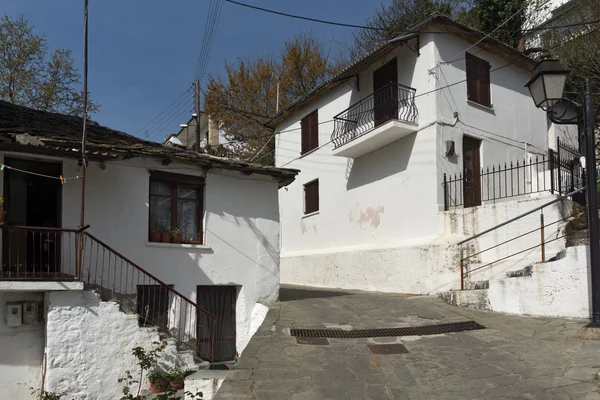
[179, 245]
[310, 214]
[489, 109]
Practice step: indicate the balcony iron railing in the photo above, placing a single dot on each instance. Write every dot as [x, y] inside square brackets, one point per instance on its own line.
[392, 101]
[56, 254]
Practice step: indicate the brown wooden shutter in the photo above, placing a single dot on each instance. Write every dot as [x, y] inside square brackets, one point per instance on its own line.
[305, 129]
[471, 78]
[314, 130]
[484, 83]
[311, 197]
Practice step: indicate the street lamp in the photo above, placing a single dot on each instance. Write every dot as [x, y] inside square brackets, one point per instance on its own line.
[547, 89]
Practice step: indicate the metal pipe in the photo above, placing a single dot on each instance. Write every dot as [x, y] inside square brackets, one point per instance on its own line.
[592, 201]
[542, 236]
[83, 136]
[462, 266]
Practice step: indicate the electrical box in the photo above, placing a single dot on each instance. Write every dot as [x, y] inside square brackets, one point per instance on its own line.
[30, 313]
[14, 314]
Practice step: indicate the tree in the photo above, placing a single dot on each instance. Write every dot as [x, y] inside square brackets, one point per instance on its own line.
[392, 20]
[487, 16]
[246, 97]
[33, 77]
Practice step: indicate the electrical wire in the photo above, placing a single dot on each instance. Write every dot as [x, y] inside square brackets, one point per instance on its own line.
[163, 111]
[321, 21]
[166, 119]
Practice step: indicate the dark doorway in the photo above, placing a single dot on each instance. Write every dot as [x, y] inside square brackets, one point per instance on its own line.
[385, 93]
[471, 172]
[153, 305]
[34, 201]
[219, 301]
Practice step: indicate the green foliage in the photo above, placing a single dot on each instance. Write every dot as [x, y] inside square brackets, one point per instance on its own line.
[44, 395]
[487, 15]
[32, 76]
[146, 361]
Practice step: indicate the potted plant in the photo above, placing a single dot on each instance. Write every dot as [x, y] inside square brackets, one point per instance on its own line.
[159, 381]
[165, 235]
[156, 233]
[175, 235]
[176, 379]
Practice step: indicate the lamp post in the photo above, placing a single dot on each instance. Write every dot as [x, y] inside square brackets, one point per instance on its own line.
[547, 88]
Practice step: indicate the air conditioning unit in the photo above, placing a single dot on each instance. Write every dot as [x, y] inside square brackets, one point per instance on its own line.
[30, 313]
[14, 315]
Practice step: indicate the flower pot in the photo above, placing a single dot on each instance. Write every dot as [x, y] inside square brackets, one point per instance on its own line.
[165, 237]
[155, 237]
[176, 238]
[159, 386]
[177, 384]
[2, 215]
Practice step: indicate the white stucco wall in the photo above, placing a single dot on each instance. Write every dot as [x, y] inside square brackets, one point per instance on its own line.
[554, 289]
[241, 228]
[241, 232]
[381, 209]
[89, 346]
[21, 351]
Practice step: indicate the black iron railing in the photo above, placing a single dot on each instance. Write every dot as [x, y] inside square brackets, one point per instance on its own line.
[501, 181]
[393, 101]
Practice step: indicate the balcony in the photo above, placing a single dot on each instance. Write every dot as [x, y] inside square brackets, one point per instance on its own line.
[383, 117]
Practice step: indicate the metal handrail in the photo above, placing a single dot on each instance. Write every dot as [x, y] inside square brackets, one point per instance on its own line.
[559, 198]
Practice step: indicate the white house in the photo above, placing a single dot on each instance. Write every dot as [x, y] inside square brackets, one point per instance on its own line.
[408, 151]
[69, 318]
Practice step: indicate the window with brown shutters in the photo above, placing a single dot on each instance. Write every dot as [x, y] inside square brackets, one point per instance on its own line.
[310, 132]
[478, 80]
[311, 197]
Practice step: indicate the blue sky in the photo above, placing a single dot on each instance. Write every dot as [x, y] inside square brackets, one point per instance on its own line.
[143, 54]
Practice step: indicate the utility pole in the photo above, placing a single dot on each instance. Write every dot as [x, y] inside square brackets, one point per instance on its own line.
[83, 136]
[197, 101]
[592, 200]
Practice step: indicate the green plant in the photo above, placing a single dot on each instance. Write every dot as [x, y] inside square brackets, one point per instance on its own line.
[175, 231]
[44, 395]
[164, 226]
[147, 360]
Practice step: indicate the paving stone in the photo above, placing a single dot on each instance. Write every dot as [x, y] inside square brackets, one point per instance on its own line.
[516, 357]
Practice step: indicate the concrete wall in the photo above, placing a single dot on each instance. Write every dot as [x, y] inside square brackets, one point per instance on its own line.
[553, 289]
[89, 344]
[21, 351]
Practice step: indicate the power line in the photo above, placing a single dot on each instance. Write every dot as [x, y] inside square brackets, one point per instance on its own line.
[212, 22]
[163, 111]
[167, 116]
[321, 21]
[183, 111]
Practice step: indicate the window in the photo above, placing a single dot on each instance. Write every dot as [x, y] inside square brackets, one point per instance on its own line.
[310, 132]
[311, 197]
[177, 201]
[478, 80]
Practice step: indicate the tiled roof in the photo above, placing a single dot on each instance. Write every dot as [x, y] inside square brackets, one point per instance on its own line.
[27, 130]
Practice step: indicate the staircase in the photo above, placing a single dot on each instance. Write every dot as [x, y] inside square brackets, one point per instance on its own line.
[533, 264]
[55, 254]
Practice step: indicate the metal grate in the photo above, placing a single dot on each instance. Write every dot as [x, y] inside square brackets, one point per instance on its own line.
[395, 348]
[389, 332]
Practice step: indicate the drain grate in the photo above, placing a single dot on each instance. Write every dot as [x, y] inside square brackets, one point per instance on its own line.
[388, 332]
[395, 348]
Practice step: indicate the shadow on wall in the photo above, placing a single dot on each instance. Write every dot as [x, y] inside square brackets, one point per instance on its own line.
[289, 293]
[381, 163]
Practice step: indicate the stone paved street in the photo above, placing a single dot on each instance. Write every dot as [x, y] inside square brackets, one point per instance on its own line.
[515, 357]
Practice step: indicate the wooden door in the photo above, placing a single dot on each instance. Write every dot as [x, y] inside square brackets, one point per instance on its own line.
[471, 172]
[385, 96]
[219, 301]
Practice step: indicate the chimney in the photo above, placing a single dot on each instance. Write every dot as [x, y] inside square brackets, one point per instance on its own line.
[213, 132]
